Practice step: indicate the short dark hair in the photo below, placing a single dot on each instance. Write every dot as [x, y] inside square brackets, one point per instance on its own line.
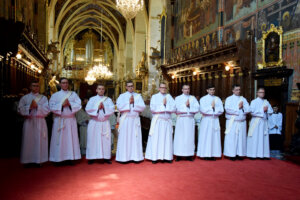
[100, 84]
[34, 81]
[210, 86]
[185, 84]
[129, 81]
[235, 85]
[260, 88]
[162, 83]
[63, 78]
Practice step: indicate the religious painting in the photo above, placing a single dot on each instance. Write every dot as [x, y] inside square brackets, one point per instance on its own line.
[194, 18]
[235, 9]
[272, 47]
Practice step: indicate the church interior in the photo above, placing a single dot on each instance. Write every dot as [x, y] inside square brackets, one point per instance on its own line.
[252, 43]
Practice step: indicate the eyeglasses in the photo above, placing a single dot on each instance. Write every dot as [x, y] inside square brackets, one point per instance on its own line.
[129, 85]
[163, 87]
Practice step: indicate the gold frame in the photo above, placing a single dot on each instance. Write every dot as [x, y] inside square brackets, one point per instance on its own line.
[279, 31]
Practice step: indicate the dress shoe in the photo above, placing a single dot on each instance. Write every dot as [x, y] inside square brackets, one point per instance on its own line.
[107, 161]
[91, 162]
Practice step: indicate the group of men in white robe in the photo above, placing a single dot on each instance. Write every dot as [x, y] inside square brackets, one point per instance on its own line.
[64, 144]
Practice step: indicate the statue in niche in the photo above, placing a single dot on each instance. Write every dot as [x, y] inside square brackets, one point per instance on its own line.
[52, 49]
[52, 84]
[141, 69]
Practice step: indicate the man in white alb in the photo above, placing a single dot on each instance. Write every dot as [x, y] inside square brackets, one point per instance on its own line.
[258, 136]
[64, 144]
[34, 107]
[160, 139]
[99, 108]
[129, 146]
[237, 108]
[209, 142]
[184, 140]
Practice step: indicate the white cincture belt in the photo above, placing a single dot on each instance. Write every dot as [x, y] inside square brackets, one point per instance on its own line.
[64, 117]
[210, 116]
[37, 117]
[61, 124]
[190, 116]
[34, 117]
[255, 123]
[215, 124]
[99, 120]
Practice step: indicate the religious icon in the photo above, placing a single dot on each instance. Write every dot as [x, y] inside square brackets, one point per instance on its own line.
[272, 48]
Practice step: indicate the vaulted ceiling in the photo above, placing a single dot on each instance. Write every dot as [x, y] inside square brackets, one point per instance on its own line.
[71, 17]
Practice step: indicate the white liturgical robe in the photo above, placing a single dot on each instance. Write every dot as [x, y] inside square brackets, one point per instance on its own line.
[209, 142]
[258, 137]
[129, 146]
[184, 139]
[99, 129]
[235, 142]
[35, 133]
[64, 140]
[160, 139]
[274, 120]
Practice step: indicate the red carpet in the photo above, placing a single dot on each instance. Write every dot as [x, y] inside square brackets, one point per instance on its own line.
[222, 179]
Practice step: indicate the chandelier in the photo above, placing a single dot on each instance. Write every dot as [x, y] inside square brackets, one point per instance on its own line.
[100, 71]
[130, 8]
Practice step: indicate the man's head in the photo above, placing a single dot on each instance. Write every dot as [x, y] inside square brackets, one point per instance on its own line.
[129, 86]
[261, 92]
[64, 83]
[275, 108]
[186, 89]
[210, 89]
[35, 87]
[100, 90]
[163, 88]
[236, 89]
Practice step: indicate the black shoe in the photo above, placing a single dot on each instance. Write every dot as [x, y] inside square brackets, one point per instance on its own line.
[213, 159]
[154, 162]
[252, 158]
[232, 158]
[177, 158]
[239, 158]
[107, 161]
[266, 158]
[91, 162]
[70, 162]
[168, 161]
[58, 164]
[190, 158]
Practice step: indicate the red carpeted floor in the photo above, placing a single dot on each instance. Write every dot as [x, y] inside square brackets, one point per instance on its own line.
[222, 179]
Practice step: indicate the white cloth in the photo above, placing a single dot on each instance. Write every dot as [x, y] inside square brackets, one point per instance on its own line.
[235, 142]
[129, 145]
[184, 138]
[160, 143]
[258, 143]
[209, 142]
[64, 140]
[275, 119]
[82, 117]
[99, 129]
[35, 133]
